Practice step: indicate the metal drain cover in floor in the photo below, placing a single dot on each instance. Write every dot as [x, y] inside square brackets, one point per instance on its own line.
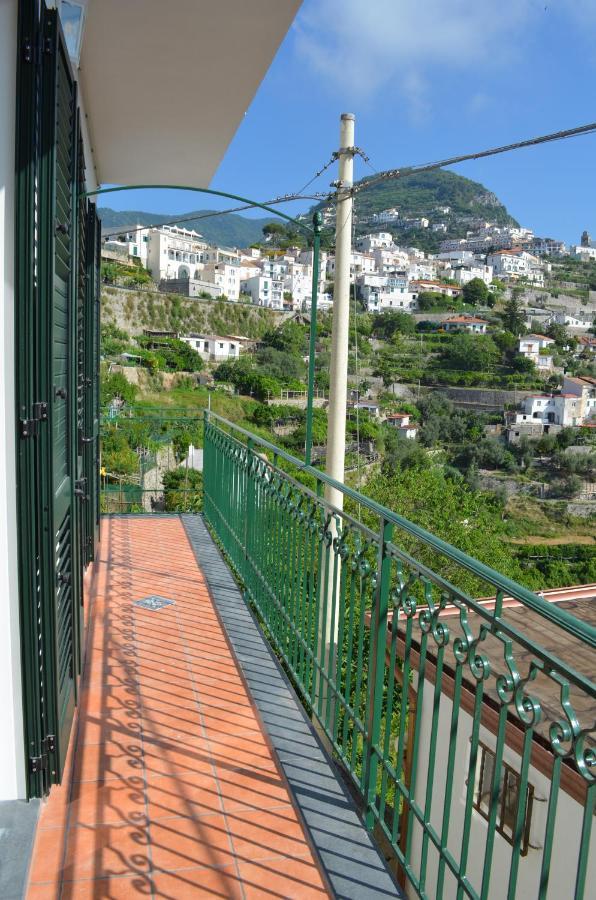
[154, 602]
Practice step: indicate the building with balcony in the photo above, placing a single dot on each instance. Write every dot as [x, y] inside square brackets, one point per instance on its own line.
[129, 241]
[537, 347]
[264, 290]
[420, 285]
[516, 263]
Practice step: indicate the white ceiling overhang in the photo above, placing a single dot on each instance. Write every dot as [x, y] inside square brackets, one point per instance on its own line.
[166, 83]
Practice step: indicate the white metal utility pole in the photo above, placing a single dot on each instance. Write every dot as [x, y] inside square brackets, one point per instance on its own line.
[338, 373]
[336, 414]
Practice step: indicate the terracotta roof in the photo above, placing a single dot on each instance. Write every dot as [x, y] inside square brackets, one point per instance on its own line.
[465, 320]
[513, 251]
[542, 337]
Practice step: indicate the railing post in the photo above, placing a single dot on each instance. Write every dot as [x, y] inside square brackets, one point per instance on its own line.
[376, 671]
[206, 466]
[250, 498]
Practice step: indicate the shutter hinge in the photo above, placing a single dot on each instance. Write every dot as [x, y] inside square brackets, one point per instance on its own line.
[80, 489]
[30, 427]
[38, 763]
[28, 49]
[40, 412]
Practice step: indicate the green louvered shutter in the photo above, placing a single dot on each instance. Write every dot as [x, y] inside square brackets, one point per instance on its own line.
[60, 556]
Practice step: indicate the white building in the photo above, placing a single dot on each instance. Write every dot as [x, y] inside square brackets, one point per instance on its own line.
[427, 285]
[264, 291]
[579, 319]
[369, 242]
[471, 324]
[557, 409]
[515, 264]
[225, 276]
[131, 240]
[359, 263]
[583, 252]
[465, 273]
[400, 423]
[174, 252]
[387, 261]
[533, 346]
[548, 247]
[424, 270]
[221, 255]
[585, 388]
[385, 217]
[213, 346]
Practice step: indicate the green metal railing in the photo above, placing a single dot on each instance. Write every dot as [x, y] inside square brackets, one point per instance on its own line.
[467, 740]
[156, 439]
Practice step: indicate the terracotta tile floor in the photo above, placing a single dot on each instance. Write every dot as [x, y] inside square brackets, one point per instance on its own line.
[171, 789]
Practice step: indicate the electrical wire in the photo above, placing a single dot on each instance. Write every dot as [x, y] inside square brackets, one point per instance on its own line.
[334, 157]
[494, 151]
[192, 217]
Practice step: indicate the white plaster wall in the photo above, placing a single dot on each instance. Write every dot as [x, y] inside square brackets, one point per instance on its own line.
[12, 756]
[567, 826]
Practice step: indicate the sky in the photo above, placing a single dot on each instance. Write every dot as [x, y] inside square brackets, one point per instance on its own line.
[426, 79]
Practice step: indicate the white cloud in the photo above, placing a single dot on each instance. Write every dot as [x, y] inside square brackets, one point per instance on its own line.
[363, 45]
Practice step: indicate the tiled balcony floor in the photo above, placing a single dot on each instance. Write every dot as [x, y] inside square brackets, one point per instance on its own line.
[172, 788]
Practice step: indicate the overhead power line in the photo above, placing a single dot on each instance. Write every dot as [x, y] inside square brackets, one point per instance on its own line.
[494, 151]
[193, 217]
[334, 157]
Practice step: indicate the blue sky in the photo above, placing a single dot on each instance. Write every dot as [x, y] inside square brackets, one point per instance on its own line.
[426, 79]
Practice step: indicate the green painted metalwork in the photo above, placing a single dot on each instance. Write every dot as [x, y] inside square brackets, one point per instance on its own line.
[314, 295]
[27, 391]
[411, 678]
[60, 568]
[50, 377]
[184, 187]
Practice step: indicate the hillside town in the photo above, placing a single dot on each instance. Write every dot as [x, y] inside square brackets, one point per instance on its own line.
[385, 275]
[436, 289]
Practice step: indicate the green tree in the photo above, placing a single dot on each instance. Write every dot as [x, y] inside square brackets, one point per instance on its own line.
[274, 231]
[431, 300]
[475, 292]
[559, 334]
[386, 325]
[183, 490]
[469, 520]
[291, 338]
[471, 353]
[512, 316]
[115, 386]
[523, 364]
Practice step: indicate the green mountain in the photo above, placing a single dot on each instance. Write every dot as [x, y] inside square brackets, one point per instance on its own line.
[230, 230]
[423, 194]
[413, 195]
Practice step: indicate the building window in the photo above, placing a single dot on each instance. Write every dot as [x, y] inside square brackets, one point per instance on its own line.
[508, 799]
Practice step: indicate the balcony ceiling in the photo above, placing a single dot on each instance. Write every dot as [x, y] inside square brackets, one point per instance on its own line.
[166, 84]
